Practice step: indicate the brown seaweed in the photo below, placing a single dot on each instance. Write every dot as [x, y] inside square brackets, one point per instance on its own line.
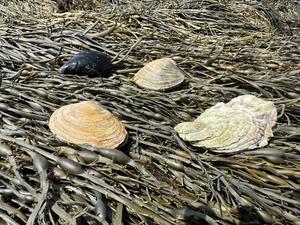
[226, 48]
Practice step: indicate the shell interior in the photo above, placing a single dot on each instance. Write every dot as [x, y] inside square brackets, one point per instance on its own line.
[243, 123]
[87, 123]
[160, 74]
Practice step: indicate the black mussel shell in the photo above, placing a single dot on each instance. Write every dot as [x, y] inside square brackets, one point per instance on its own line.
[88, 63]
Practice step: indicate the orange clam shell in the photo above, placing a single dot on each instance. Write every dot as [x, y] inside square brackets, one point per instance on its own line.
[87, 122]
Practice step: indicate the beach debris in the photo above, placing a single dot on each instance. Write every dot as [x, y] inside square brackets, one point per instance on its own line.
[243, 123]
[87, 122]
[161, 74]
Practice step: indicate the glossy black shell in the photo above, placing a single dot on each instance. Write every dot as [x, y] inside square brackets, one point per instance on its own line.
[88, 63]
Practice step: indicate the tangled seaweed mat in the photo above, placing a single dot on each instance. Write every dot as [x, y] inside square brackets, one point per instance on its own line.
[227, 48]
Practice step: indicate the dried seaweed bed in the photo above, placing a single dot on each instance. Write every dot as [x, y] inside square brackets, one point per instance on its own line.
[227, 48]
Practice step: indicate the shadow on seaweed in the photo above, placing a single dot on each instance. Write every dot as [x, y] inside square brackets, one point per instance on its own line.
[249, 216]
[51, 200]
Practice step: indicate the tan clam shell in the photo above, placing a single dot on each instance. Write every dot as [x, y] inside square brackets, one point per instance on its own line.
[87, 122]
[243, 123]
[160, 74]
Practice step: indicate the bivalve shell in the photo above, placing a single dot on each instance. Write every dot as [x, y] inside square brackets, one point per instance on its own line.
[160, 74]
[88, 63]
[87, 122]
[243, 123]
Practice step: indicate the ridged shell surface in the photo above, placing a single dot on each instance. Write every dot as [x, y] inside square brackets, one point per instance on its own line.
[160, 74]
[87, 122]
[243, 123]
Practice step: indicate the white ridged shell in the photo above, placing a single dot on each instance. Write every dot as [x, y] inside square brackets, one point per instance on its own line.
[87, 122]
[160, 74]
[243, 123]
